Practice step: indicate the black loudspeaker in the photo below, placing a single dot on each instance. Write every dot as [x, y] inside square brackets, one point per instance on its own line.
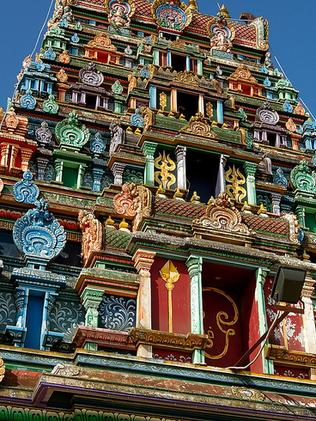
[288, 285]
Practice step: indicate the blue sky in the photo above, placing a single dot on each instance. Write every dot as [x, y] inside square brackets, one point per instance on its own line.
[292, 37]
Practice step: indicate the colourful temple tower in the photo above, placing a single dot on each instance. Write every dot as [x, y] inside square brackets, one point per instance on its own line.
[157, 222]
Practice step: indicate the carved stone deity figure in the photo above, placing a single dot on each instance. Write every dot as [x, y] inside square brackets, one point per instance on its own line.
[265, 165]
[117, 136]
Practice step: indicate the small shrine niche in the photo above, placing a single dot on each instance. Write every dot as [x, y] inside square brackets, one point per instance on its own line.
[15, 149]
[37, 78]
[244, 82]
[70, 164]
[88, 92]
[101, 49]
[188, 104]
[266, 128]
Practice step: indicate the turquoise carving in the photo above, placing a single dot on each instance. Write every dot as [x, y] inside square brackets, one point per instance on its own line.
[28, 101]
[309, 134]
[75, 38]
[49, 54]
[303, 179]
[279, 178]
[71, 134]
[38, 235]
[117, 88]
[267, 82]
[287, 107]
[97, 145]
[137, 120]
[50, 105]
[26, 191]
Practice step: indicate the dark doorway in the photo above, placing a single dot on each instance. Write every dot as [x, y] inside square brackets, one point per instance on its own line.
[188, 105]
[202, 172]
[34, 320]
[91, 102]
[178, 63]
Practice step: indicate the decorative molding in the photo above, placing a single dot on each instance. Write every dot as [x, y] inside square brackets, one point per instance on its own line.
[242, 73]
[303, 178]
[117, 313]
[126, 202]
[164, 177]
[120, 12]
[71, 134]
[37, 234]
[103, 337]
[102, 42]
[282, 355]
[90, 76]
[222, 220]
[172, 16]
[176, 341]
[199, 126]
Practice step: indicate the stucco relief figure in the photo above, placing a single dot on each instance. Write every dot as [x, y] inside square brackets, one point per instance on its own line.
[221, 42]
[118, 18]
[117, 136]
[265, 165]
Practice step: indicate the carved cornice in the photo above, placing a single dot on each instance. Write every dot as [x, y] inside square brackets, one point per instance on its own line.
[103, 337]
[295, 358]
[160, 339]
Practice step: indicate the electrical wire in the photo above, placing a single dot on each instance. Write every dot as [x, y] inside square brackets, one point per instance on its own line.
[32, 54]
[261, 348]
[43, 27]
[283, 71]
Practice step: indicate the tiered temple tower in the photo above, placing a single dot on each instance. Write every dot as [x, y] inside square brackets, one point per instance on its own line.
[156, 170]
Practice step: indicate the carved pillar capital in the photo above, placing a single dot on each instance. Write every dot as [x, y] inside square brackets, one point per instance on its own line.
[308, 288]
[143, 260]
[250, 169]
[276, 200]
[91, 299]
[118, 170]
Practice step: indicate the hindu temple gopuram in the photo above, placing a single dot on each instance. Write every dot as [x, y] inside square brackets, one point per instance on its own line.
[157, 222]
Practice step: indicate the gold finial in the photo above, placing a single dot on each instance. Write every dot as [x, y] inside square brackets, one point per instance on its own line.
[178, 194]
[246, 207]
[195, 198]
[161, 191]
[262, 211]
[223, 11]
[124, 226]
[193, 5]
[109, 222]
